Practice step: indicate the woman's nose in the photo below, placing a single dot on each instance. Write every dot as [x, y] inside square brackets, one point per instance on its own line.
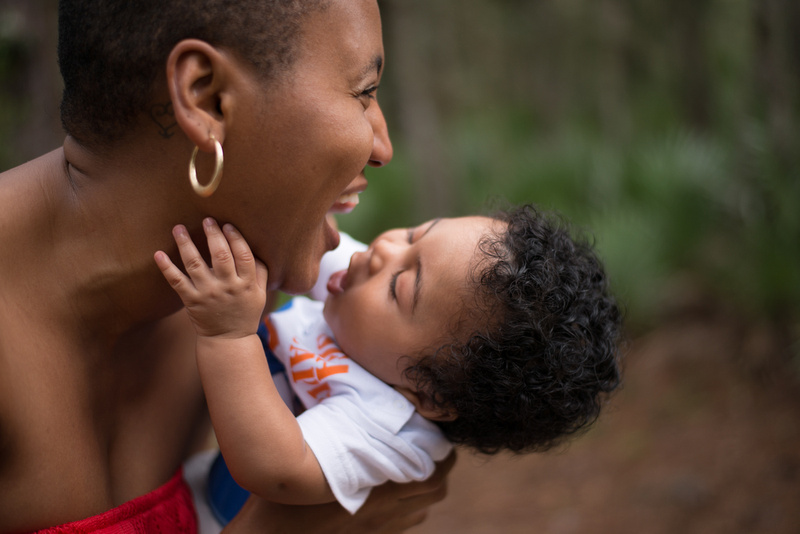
[382, 151]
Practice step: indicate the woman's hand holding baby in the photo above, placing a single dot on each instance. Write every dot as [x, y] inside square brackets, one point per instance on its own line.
[227, 299]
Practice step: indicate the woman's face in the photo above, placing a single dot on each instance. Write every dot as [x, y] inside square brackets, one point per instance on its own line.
[299, 144]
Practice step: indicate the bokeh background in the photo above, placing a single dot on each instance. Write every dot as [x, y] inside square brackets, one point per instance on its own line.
[668, 131]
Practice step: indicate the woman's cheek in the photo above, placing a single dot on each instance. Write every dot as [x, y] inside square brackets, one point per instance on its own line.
[355, 144]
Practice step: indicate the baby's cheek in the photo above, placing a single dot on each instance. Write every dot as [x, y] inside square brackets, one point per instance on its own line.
[332, 319]
[326, 310]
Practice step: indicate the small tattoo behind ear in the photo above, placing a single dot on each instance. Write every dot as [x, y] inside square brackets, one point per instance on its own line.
[164, 117]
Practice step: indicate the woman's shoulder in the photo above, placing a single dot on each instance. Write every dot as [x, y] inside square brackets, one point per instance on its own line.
[26, 191]
[49, 164]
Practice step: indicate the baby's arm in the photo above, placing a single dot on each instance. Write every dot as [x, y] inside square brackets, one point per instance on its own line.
[258, 435]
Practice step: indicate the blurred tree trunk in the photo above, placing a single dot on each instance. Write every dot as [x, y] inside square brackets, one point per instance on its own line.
[612, 70]
[691, 20]
[37, 82]
[417, 35]
[33, 80]
[777, 73]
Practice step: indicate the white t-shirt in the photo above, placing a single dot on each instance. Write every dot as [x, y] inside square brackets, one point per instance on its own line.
[362, 431]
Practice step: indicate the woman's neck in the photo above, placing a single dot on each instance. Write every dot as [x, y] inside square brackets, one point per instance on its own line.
[116, 209]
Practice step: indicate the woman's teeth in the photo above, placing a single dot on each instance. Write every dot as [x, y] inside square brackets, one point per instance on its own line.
[352, 198]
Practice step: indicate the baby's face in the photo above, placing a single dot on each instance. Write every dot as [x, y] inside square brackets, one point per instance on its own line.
[402, 294]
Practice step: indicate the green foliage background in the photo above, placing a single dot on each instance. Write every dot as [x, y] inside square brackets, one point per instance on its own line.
[668, 131]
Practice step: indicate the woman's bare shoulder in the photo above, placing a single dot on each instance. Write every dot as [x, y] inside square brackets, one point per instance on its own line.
[25, 192]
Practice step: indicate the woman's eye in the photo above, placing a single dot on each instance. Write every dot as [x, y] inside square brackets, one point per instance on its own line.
[368, 94]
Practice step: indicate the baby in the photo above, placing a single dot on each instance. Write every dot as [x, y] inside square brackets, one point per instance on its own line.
[497, 333]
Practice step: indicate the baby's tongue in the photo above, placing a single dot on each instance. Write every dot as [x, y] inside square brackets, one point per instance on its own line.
[336, 282]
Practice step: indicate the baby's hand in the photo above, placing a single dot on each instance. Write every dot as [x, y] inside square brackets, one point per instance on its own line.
[226, 300]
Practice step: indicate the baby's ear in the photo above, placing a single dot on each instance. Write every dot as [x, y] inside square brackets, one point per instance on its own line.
[426, 408]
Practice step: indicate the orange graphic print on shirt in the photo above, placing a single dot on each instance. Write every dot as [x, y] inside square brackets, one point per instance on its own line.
[312, 366]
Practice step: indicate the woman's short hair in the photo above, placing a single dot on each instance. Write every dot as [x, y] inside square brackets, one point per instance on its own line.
[111, 52]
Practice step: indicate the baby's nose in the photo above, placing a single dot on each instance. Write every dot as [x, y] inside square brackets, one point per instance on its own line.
[383, 250]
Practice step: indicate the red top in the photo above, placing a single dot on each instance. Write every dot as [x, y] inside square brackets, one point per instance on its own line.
[165, 510]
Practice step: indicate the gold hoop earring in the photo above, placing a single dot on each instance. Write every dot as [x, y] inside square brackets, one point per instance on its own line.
[216, 178]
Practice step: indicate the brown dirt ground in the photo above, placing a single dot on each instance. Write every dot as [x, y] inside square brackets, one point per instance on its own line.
[703, 438]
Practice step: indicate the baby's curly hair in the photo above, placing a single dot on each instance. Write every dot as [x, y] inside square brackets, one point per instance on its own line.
[547, 355]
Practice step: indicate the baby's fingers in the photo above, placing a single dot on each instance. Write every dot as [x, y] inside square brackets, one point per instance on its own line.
[193, 262]
[222, 259]
[243, 256]
[261, 274]
[176, 279]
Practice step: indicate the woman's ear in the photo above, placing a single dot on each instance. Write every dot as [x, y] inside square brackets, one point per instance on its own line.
[196, 80]
[426, 408]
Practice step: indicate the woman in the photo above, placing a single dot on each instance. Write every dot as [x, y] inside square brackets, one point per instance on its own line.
[100, 402]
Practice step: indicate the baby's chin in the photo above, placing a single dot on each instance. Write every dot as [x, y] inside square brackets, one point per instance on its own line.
[327, 311]
[330, 314]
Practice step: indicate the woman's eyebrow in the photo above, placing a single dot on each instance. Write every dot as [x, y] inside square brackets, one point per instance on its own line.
[373, 66]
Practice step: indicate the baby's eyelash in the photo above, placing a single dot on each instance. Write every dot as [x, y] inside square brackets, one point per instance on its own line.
[393, 285]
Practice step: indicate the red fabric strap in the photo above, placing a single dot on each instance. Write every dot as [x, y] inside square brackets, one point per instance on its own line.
[166, 510]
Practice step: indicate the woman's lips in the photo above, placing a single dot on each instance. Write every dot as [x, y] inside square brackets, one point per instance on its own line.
[348, 199]
[346, 203]
[337, 281]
